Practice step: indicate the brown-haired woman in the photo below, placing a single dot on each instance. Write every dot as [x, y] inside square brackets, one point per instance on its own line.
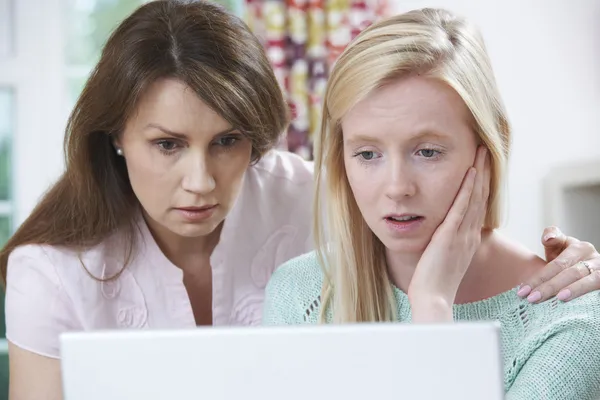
[174, 209]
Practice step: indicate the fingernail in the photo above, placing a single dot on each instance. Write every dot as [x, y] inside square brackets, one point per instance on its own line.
[564, 294]
[535, 296]
[524, 291]
[551, 235]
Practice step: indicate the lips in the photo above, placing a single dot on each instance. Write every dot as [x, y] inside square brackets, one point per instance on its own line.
[196, 214]
[196, 209]
[403, 217]
[404, 225]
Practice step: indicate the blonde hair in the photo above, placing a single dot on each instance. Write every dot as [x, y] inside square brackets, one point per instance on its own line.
[432, 43]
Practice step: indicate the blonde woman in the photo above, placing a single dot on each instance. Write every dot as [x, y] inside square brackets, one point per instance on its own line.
[410, 166]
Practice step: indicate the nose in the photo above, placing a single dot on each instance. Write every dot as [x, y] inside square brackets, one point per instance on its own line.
[401, 182]
[198, 177]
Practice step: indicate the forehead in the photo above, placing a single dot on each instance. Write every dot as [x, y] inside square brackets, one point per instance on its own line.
[171, 103]
[409, 106]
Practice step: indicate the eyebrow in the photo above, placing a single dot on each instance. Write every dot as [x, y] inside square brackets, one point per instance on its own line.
[425, 133]
[182, 135]
[362, 138]
[429, 133]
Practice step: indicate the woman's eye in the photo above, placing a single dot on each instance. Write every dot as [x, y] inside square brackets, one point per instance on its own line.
[167, 145]
[227, 141]
[367, 155]
[428, 153]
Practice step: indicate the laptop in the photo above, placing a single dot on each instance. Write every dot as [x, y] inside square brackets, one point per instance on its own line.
[318, 362]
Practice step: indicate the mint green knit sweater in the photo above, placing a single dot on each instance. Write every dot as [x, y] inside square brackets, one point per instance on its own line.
[551, 350]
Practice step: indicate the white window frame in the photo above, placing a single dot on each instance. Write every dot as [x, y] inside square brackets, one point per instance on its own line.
[6, 51]
[35, 72]
[6, 206]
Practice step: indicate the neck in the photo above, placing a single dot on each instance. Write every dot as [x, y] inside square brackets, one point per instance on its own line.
[481, 280]
[184, 252]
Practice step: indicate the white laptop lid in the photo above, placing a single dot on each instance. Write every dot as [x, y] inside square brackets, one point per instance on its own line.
[362, 362]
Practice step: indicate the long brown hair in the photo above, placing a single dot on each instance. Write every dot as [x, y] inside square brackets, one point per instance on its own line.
[198, 43]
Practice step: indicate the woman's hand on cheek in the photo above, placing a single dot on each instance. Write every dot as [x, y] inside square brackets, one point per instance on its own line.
[444, 262]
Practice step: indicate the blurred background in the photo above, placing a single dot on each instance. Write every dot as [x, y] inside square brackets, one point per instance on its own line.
[546, 55]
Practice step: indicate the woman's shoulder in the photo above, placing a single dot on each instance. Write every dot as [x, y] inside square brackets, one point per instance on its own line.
[508, 262]
[583, 311]
[29, 264]
[63, 261]
[61, 272]
[282, 183]
[73, 274]
[281, 167]
[553, 346]
[531, 319]
[301, 271]
[38, 303]
[275, 205]
[46, 260]
[294, 291]
[54, 289]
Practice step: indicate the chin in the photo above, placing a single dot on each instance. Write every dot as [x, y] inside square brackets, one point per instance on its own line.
[404, 245]
[194, 230]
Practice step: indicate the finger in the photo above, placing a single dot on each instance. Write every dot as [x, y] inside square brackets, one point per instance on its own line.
[475, 207]
[488, 177]
[554, 242]
[460, 205]
[562, 280]
[574, 253]
[550, 233]
[553, 268]
[486, 190]
[582, 286]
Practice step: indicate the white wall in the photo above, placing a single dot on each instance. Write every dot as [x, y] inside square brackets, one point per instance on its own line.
[546, 56]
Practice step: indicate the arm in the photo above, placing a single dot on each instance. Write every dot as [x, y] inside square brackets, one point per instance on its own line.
[442, 266]
[565, 366]
[33, 377]
[37, 311]
[430, 308]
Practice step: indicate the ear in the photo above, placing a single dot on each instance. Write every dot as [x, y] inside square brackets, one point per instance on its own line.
[116, 143]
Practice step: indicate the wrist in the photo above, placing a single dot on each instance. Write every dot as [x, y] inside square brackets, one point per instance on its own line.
[433, 292]
[431, 308]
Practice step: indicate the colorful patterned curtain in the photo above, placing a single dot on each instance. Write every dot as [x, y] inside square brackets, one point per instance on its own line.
[303, 38]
